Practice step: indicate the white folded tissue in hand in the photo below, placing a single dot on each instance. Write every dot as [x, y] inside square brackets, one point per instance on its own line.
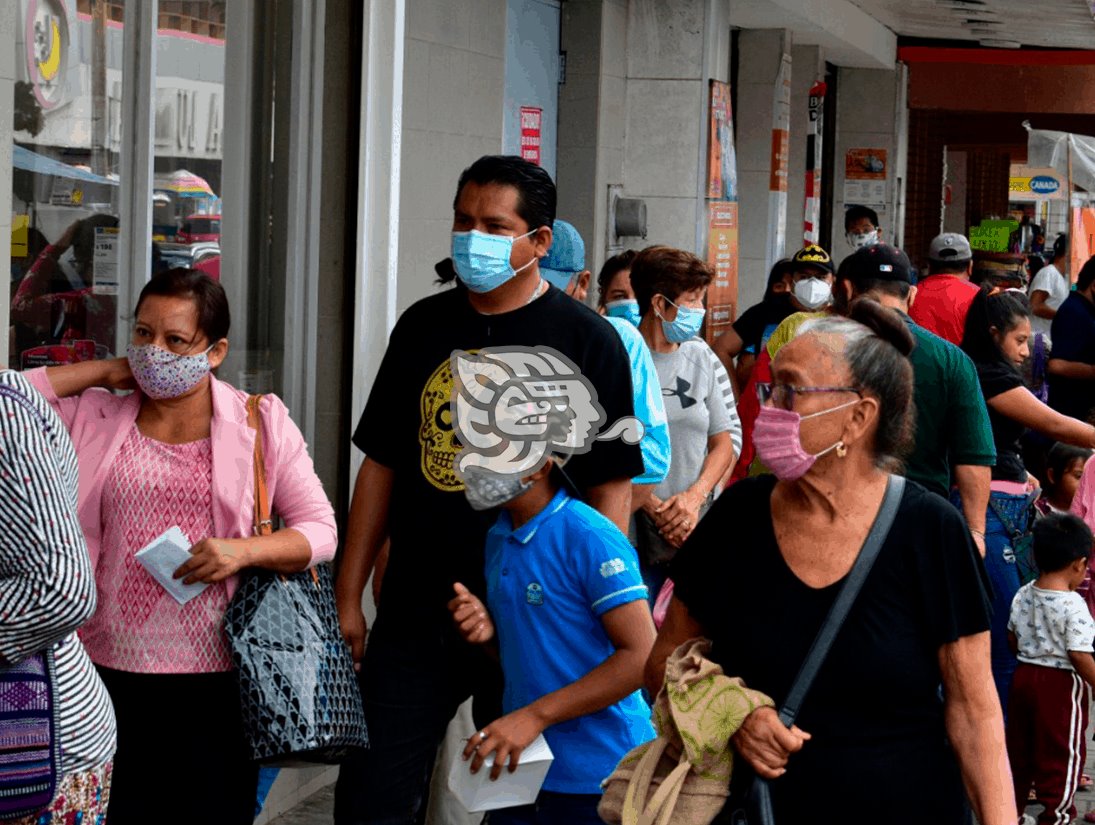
[163, 556]
[477, 792]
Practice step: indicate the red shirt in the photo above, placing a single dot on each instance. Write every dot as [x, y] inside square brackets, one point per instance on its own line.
[941, 305]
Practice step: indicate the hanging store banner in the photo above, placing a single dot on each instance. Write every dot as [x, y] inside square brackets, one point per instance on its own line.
[722, 166]
[722, 213]
[780, 164]
[722, 255]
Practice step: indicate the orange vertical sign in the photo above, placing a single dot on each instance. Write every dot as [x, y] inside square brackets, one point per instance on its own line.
[722, 255]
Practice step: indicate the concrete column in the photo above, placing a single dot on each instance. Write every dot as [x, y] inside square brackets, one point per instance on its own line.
[759, 55]
[866, 119]
[667, 116]
[580, 131]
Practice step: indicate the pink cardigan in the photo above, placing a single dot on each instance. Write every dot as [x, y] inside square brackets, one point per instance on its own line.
[99, 422]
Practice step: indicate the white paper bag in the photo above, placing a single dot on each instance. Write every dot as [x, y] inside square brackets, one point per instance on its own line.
[477, 792]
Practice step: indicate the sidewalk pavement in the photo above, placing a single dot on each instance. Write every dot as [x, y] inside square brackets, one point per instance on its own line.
[318, 809]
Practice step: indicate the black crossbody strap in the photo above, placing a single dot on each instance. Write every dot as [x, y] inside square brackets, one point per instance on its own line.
[891, 501]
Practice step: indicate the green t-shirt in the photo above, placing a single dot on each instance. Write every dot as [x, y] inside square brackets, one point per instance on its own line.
[952, 421]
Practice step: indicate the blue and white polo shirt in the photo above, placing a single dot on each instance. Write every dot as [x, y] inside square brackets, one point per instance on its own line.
[548, 584]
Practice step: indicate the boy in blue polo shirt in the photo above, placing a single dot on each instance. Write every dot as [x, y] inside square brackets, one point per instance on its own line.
[567, 607]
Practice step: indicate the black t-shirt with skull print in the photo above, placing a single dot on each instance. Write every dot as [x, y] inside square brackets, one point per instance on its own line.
[407, 426]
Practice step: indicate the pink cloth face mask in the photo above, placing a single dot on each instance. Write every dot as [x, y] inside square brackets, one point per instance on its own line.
[162, 374]
[779, 445]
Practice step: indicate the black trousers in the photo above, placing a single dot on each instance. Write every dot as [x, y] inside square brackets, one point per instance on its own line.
[411, 690]
[182, 756]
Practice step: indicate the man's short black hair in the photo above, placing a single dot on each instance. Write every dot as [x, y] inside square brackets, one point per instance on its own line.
[535, 188]
[948, 267]
[898, 289]
[855, 213]
[1060, 539]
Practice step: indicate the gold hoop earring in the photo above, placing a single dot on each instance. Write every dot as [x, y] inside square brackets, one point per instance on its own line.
[841, 450]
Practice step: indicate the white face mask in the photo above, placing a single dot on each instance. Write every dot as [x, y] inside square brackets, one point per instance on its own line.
[858, 240]
[814, 293]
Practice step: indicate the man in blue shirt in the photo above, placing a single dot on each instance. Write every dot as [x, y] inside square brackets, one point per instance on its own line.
[568, 611]
[564, 267]
[1071, 365]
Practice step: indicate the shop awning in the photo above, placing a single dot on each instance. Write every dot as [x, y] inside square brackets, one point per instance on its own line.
[1047, 148]
[23, 158]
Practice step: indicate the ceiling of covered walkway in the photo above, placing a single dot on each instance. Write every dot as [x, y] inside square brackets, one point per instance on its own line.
[1063, 24]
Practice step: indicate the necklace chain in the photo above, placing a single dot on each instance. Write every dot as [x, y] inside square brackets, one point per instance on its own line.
[536, 293]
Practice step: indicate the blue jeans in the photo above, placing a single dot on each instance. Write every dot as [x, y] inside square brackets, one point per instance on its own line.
[1004, 576]
[654, 576]
[551, 809]
[411, 690]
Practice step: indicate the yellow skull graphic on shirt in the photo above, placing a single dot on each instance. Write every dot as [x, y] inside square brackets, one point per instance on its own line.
[436, 435]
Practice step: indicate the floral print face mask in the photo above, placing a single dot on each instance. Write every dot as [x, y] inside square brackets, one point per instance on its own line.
[161, 374]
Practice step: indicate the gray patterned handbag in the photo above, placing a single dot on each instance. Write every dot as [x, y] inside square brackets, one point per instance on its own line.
[300, 698]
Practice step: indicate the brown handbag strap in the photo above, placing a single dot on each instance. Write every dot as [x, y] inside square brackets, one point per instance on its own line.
[263, 524]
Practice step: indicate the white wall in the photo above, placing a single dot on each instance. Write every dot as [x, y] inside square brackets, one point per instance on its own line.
[452, 108]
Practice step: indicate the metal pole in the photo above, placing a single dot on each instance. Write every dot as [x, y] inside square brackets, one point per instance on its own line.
[100, 160]
[1068, 260]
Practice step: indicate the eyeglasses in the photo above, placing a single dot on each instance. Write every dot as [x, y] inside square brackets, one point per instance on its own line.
[783, 395]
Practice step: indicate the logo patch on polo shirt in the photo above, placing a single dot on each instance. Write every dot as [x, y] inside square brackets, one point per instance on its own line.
[612, 568]
[534, 594]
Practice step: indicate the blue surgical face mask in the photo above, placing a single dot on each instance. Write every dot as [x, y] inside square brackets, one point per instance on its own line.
[482, 260]
[686, 325]
[627, 308]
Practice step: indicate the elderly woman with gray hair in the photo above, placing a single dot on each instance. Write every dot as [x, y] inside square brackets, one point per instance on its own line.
[761, 571]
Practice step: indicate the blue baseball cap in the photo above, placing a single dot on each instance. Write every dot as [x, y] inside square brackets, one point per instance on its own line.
[566, 258]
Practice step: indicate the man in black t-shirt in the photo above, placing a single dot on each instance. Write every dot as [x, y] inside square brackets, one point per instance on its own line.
[416, 670]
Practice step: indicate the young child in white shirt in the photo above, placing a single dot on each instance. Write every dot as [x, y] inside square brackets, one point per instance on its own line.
[1052, 633]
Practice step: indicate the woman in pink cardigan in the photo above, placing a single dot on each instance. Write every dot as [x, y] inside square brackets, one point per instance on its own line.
[178, 453]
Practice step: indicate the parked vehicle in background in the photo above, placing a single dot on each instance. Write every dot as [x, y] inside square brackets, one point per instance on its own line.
[199, 228]
[204, 256]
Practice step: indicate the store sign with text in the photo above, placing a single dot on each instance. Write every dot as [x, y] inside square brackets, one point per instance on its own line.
[531, 118]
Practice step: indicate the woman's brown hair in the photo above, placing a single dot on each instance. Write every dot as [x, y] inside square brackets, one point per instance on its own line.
[664, 270]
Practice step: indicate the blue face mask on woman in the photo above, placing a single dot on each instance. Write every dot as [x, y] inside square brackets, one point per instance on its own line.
[481, 260]
[626, 308]
[686, 325]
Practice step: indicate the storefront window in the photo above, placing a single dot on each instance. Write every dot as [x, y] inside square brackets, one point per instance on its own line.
[187, 183]
[65, 181]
